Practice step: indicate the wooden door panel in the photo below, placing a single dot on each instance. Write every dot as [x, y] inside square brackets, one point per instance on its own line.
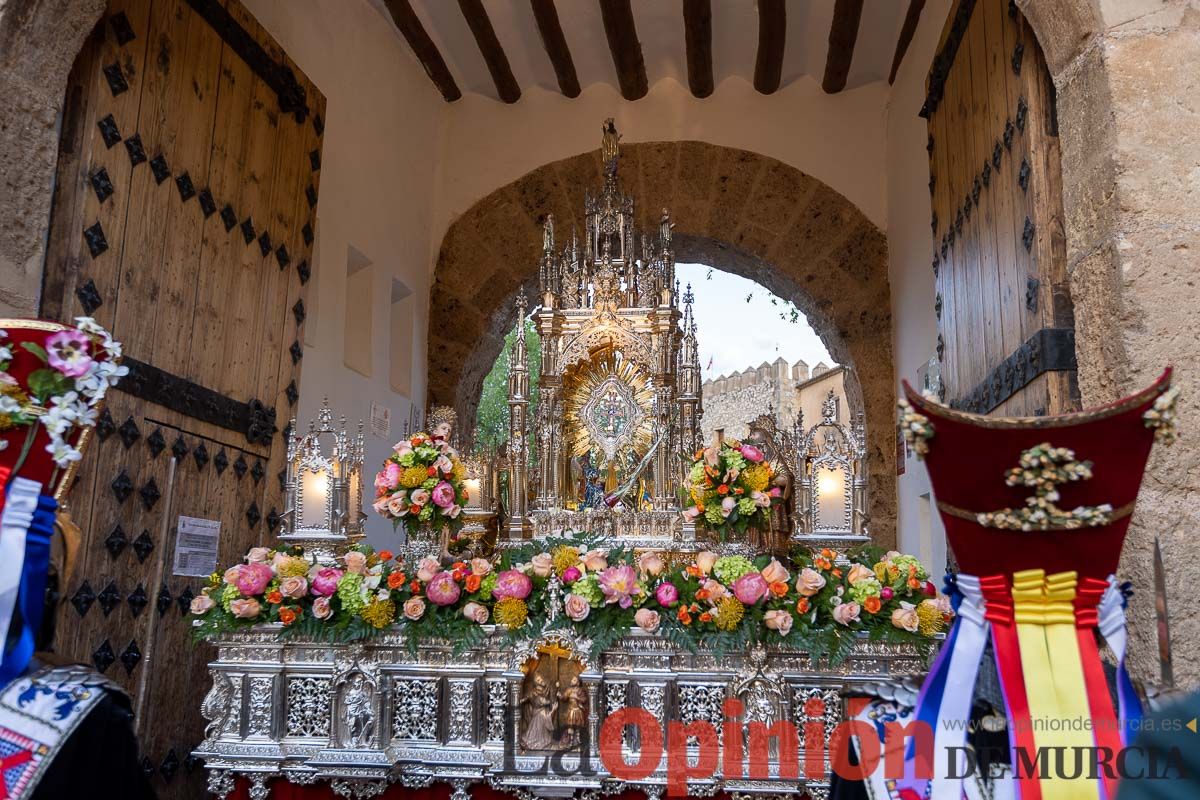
[1002, 301]
[207, 224]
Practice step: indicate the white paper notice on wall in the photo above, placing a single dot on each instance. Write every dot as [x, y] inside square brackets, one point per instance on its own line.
[196, 547]
[381, 420]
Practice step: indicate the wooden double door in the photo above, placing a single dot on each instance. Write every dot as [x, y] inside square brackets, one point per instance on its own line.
[183, 221]
[1005, 323]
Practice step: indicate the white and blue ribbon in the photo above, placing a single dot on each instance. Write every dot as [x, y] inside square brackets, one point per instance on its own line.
[26, 527]
[1111, 622]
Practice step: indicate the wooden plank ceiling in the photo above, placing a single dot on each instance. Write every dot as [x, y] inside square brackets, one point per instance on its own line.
[498, 48]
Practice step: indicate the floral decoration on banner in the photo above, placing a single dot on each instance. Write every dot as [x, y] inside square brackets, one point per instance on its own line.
[79, 366]
[1161, 417]
[422, 483]
[916, 428]
[721, 603]
[1044, 468]
[730, 488]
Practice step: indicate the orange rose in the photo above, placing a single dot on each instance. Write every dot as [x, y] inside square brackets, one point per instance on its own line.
[837, 573]
[275, 597]
[458, 565]
[415, 587]
[779, 588]
[431, 471]
[395, 580]
[722, 489]
[473, 582]
[386, 555]
[739, 490]
[287, 616]
[872, 605]
[694, 571]
[701, 594]
[683, 616]
[706, 617]
[913, 583]
[802, 606]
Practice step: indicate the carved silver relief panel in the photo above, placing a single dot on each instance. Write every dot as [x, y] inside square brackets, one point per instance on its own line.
[308, 706]
[415, 709]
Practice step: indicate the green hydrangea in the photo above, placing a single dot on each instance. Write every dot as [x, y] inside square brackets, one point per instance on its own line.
[712, 515]
[696, 476]
[349, 591]
[729, 568]
[228, 595]
[426, 513]
[869, 587]
[407, 460]
[734, 460]
[487, 585]
[746, 506]
[904, 562]
[429, 483]
[588, 587]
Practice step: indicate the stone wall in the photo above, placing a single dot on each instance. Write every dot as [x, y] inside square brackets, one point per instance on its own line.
[732, 402]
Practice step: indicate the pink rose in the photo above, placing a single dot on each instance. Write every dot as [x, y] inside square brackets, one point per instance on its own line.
[453, 511]
[389, 476]
[356, 562]
[476, 612]
[750, 588]
[712, 456]
[576, 607]
[859, 573]
[716, 590]
[886, 593]
[231, 575]
[480, 566]
[942, 604]
[321, 609]
[810, 582]
[324, 583]
[595, 560]
[571, 574]
[778, 620]
[414, 608]
[512, 583]
[401, 449]
[775, 492]
[419, 497]
[398, 505]
[67, 352]
[444, 465]
[846, 613]
[201, 604]
[646, 619]
[761, 499]
[751, 453]
[294, 587]
[245, 608]
[705, 560]
[253, 578]
[666, 594]
[443, 494]
[542, 564]
[690, 513]
[652, 564]
[776, 572]
[381, 506]
[906, 617]
[427, 568]
[443, 590]
[727, 506]
[258, 555]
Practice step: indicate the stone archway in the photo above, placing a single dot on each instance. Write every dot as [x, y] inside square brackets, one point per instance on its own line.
[734, 210]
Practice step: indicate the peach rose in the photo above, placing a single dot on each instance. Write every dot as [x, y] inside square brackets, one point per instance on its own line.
[321, 609]
[810, 582]
[542, 564]
[231, 575]
[906, 617]
[201, 604]
[414, 608]
[846, 613]
[480, 566]
[576, 607]
[476, 612]
[595, 560]
[356, 562]
[294, 587]
[778, 620]
[245, 608]
[427, 569]
[859, 573]
[776, 572]
[258, 555]
[716, 590]
[647, 620]
[705, 560]
[652, 564]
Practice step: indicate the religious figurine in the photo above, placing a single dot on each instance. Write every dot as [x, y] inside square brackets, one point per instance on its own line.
[573, 700]
[442, 420]
[610, 147]
[359, 716]
[538, 705]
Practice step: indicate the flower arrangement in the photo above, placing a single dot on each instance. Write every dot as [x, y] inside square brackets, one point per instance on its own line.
[62, 393]
[422, 481]
[731, 488]
[723, 603]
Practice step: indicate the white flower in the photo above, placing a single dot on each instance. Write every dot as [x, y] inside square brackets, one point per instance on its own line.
[5, 353]
[62, 453]
[8, 405]
[3, 444]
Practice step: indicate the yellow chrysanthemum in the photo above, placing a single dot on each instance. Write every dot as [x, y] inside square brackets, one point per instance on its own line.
[756, 477]
[929, 618]
[565, 557]
[379, 613]
[292, 567]
[412, 477]
[511, 613]
[729, 613]
[459, 471]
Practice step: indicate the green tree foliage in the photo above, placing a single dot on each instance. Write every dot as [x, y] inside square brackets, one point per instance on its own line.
[491, 421]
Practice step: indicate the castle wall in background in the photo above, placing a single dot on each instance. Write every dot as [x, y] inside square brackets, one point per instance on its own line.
[731, 402]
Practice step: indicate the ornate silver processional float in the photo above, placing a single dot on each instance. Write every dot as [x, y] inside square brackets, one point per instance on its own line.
[617, 423]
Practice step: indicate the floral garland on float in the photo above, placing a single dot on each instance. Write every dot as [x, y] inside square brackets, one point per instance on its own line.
[719, 603]
[730, 489]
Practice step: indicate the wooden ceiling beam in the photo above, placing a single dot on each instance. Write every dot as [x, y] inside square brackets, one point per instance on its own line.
[546, 16]
[906, 34]
[843, 34]
[697, 28]
[426, 51]
[626, 50]
[493, 54]
[772, 36]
